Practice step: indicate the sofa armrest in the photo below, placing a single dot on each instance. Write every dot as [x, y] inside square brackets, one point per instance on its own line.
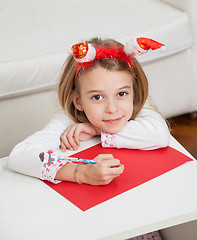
[182, 5]
[190, 7]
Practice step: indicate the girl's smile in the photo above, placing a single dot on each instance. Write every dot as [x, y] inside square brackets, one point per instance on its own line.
[106, 97]
[112, 121]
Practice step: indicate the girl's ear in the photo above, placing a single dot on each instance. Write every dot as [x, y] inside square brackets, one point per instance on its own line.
[77, 102]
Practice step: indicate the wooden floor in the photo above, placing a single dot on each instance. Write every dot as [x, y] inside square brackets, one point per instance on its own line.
[184, 129]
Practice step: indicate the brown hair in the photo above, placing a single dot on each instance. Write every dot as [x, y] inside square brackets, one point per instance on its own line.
[66, 86]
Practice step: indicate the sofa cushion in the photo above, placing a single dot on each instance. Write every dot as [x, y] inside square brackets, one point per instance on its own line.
[35, 35]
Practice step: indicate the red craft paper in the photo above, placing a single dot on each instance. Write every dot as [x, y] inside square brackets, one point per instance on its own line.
[140, 167]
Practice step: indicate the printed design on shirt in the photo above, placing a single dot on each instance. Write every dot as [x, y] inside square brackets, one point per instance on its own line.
[50, 156]
[108, 139]
[52, 162]
[41, 156]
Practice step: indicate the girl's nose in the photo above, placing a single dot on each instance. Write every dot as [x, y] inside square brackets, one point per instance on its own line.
[111, 107]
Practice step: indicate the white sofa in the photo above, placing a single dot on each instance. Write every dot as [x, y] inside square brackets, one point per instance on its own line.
[34, 39]
[35, 36]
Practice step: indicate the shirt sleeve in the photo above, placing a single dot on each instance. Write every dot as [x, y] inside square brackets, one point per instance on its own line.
[146, 132]
[25, 157]
[52, 162]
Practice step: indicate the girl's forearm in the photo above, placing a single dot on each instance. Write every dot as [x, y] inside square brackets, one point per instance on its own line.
[67, 172]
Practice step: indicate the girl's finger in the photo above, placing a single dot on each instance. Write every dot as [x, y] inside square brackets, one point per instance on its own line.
[65, 141]
[70, 138]
[62, 146]
[112, 163]
[66, 144]
[116, 171]
[76, 135]
[102, 157]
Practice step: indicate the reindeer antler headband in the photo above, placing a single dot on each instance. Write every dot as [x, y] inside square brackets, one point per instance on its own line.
[85, 54]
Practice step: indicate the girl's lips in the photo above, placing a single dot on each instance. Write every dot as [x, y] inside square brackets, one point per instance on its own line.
[113, 121]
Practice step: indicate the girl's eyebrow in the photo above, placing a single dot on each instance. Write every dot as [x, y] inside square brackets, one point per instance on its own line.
[99, 91]
[93, 91]
[125, 87]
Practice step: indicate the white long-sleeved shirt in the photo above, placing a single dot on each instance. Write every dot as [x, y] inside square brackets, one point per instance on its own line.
[146, 132]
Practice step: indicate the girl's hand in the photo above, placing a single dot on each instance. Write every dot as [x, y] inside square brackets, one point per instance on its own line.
[77, 132]
[101, 173]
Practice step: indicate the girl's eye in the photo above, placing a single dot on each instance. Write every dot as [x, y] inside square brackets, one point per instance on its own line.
[97, 97]
[122, 94]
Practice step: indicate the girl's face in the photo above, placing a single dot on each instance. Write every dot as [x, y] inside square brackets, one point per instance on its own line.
[106, 97]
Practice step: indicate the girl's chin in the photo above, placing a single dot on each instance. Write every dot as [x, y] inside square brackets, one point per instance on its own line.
[113, 130]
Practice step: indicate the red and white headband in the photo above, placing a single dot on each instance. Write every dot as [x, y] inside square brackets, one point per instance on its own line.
[85, 54]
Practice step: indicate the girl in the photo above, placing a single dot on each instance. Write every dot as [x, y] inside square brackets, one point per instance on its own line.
[103, 91]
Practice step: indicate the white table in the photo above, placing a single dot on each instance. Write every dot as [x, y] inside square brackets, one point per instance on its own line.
[29, 209]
